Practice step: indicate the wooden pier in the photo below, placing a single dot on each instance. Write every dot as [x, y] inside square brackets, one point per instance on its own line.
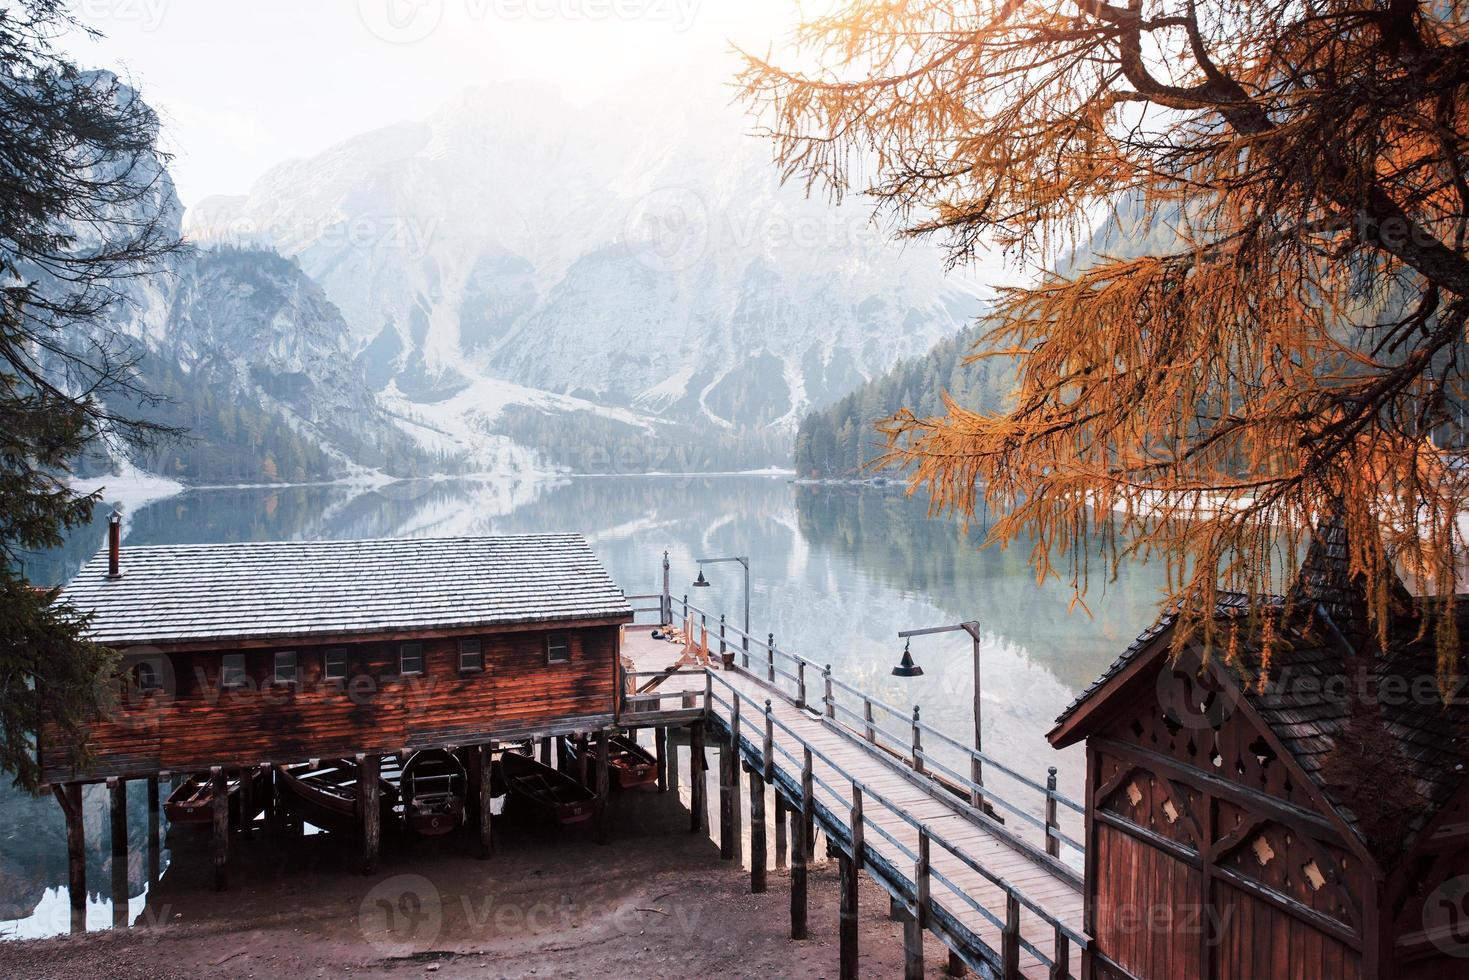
[999, 902]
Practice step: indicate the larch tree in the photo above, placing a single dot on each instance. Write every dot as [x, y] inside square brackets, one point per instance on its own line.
[82, 212]
[1298, 348]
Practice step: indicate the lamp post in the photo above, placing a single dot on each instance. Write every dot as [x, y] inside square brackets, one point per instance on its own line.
[907, 668]
[702, 583]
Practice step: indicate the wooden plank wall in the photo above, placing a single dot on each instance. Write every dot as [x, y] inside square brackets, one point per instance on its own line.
[1147, 908]
[1259, 940]
[373, 709]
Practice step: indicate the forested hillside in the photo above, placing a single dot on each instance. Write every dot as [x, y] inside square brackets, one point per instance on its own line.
[841, 440]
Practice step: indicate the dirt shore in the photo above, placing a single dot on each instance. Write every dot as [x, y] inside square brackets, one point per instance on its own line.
[655, 902]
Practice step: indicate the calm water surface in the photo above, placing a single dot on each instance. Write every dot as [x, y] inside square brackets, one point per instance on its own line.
[836, 573]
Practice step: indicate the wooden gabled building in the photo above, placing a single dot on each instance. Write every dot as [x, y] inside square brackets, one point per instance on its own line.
[241, 656]
[1310, 820]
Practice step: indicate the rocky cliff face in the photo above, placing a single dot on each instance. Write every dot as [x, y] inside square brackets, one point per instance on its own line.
[637, 254]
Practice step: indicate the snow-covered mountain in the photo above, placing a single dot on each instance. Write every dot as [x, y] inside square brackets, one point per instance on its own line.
[637, 254]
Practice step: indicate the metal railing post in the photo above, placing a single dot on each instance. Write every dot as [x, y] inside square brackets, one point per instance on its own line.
[917, 742]
[828, 698]
[723, 648]
[800, 683]
[1053, 843]
[770, 657]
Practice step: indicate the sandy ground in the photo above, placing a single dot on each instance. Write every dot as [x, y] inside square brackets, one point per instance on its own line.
[655, 902]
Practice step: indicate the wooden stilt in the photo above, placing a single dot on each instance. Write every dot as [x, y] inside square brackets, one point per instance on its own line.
[956, 967]
[369, 811]
[247, 802]
[757, 833]
[117, 799]
[912, 948]
[660, 752]
[781, 846]
[469, 756]
[155, 853]
[581, 760]
[485, 759]
[546, 751]
[798, 857]
[698, 783]
[69, 798]
[220, 787]
[896, 913]
[728, 776]
[848, 952]
[604, 783]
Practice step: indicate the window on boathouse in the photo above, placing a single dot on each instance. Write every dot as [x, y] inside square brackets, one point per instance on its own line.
[410, 658]
[471, 655]
[232, 670]
[285, 667]
[335, 667]
[558, 649]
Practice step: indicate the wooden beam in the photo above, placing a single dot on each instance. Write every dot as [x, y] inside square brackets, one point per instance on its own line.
[155, 852]
[220, 787]
[546, 751]
[798, 856]
[782, 846]
[247, 802]
[757, 833]
[728, 776]
[1010, 939]
[369, 812]
[486, 760]
[117, 799]
[660, 752]
[69, 797]
[849, 955]
[912, 948]
[604, 783]
[698, 781]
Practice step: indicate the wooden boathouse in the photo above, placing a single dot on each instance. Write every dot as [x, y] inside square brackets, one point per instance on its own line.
[1307, 823]
[238, 656]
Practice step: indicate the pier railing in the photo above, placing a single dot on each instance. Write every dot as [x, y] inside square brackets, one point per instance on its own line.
[869, 812]
[905, 737]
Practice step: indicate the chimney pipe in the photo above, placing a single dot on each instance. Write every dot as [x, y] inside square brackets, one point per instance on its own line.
[114, 545]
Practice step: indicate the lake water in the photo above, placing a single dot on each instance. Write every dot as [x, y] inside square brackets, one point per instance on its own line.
[836, 573]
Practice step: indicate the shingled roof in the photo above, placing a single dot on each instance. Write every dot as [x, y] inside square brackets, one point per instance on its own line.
[299, 589]
[1313, 680]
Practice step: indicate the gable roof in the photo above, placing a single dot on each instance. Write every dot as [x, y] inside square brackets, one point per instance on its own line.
[300, 589]
[1308, 700]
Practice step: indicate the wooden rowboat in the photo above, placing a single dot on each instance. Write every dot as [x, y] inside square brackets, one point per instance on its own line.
[633, 767]
[193, 801]
[325, 793]
[432, 787]
[543, 790]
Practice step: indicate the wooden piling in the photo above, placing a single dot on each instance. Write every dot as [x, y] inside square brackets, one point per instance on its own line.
[660, 752]
[955, 967]
[220, 787]
[698, 784]
[757, 833]
[848, 951]
[546, 751]
[117, 799]
[798, 855]
[69, 797]
[369, 812]
[247, 802]
[485, 760]
[581, 759]
[728, 775]
[781, 846]
[912, 947]
[155, 852]
[604, 783]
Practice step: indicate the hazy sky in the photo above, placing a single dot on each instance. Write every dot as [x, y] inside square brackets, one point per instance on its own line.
[244, 84]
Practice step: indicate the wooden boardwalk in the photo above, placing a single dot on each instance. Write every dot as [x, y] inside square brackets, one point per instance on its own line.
[982, 889]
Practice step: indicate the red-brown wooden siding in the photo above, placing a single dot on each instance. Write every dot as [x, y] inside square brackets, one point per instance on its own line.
[373, 710]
